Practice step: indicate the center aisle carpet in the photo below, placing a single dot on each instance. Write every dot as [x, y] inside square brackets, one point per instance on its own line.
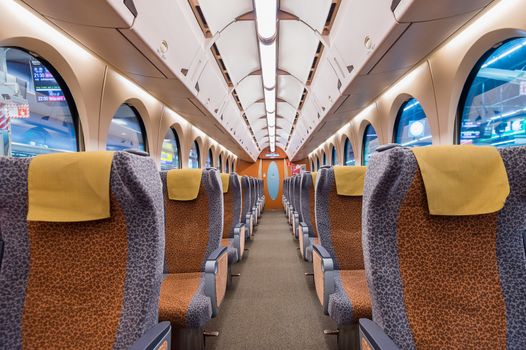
[272, 305]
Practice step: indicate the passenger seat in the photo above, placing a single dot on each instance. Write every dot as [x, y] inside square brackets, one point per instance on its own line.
[83, 254]
[196, 266]
[247, 216]
[233, 230]
[308, 235]
[444, 248]
[338, 263]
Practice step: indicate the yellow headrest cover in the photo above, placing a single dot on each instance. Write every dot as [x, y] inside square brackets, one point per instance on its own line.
[225, 179]
[463, 180]
[314, 175]
[183, 184]
[349, 180]
[69, 187]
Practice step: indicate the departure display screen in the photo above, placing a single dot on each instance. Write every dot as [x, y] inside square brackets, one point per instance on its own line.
[46, 87]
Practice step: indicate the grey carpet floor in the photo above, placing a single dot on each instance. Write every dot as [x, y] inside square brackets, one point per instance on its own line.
[272, 305]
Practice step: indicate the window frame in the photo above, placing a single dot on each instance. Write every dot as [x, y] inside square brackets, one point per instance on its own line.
[364, 137]
[141, 125]
[469, 82]
[198, 154]
[178, 144]
[70, 100]
[211, 157]
[399, 115]
[345, 144]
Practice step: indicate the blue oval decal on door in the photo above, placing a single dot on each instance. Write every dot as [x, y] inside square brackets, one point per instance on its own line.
[273, 180]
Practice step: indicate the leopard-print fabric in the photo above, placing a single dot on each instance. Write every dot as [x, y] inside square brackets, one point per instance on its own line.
[442, 258]
[193, 228]
[183, 301]
[351, 300]
[74, 253]
[339, 221]
[136, 193]
[390, 175]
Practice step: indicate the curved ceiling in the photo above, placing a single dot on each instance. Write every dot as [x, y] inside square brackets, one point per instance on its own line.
[233, 24]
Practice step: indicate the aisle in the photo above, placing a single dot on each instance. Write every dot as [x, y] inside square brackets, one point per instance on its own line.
[272, 305]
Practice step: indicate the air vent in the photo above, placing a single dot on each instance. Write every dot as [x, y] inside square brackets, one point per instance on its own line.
[131, 6]
[184, 71]
[394, 4]
[339, 84]
[200, 18]
[197, 87]
[331, 16]
[350, 68]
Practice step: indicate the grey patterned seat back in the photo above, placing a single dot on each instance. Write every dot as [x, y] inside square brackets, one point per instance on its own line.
[91, 284]
[307, 202]
[297, 192]
[253, 187]
[247, 195]
[233, 205]
[440, 281]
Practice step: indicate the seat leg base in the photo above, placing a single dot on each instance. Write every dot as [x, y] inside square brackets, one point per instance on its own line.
[349, 337]
[188, 338]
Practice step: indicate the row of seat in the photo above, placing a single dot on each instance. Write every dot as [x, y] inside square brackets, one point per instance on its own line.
[99, 251]
[424, 249]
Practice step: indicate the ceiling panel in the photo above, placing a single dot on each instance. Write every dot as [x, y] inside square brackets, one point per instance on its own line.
[297, 47]
[219, 14]
[250, 90]
[315, 14]
[239, 51]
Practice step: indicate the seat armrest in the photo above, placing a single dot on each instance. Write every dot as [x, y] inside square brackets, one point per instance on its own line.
[304, 238]
[249, 224]
[239, 239]
[324, 254]
[373, 337]
[156, 338]
[324, 275]
[296, 224]
[216, 276]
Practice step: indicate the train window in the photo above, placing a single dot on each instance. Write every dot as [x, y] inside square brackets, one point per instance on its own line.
[227, 165]
[492, 108]
[126, 130]
[170, 156]
[318, 163]
[210, 159]
[233, 166]
[37, 112]
[220, 164]
[348, 154]
[411, 127]
[370, 143]
[334, 156]
[312, 166]
[324, 159]
[193, 159]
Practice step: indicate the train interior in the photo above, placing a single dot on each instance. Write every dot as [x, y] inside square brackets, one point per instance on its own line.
[263, 174]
